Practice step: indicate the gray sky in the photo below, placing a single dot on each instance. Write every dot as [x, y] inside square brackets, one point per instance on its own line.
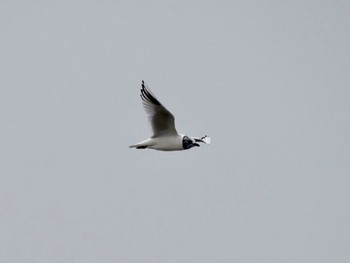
[267, 80]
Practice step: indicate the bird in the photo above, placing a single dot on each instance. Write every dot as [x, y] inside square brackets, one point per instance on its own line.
[165, 137]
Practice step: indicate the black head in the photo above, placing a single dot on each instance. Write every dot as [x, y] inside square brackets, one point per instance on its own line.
[188, 143]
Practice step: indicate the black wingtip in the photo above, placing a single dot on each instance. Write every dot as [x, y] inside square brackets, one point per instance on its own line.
[147, 96]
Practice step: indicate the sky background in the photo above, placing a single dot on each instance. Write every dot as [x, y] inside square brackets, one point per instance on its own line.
[267, 80]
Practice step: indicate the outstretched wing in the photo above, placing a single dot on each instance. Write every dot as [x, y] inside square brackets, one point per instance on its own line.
[162, 121]
[205, 139]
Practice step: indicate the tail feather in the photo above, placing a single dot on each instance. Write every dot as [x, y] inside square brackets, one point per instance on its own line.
[138, 146]
[141, 145]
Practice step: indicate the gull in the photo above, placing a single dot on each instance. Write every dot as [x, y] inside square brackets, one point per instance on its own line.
[165, 136]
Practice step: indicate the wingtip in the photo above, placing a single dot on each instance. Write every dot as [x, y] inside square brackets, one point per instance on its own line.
[146, 95]
[142, 86]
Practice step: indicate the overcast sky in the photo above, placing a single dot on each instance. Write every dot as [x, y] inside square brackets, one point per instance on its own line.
[267, 80]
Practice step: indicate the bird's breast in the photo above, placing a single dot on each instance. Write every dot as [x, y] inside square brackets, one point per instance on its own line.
[169, 143]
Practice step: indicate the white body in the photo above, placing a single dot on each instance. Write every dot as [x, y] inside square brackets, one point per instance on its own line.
[164, 143]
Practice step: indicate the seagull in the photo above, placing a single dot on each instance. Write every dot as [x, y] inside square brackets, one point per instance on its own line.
[165, 136]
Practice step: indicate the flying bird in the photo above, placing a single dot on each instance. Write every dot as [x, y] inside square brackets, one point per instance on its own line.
[165, 136]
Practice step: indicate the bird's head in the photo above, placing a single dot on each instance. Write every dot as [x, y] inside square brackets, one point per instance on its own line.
[188, 143]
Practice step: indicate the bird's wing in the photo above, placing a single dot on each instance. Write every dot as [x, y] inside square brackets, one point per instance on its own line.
[162, 121]
[205, 139]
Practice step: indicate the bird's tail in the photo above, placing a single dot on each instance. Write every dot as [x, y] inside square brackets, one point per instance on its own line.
[138, 146]
[141, 145]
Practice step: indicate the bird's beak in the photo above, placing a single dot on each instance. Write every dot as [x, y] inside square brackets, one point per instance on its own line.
[196, 144]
